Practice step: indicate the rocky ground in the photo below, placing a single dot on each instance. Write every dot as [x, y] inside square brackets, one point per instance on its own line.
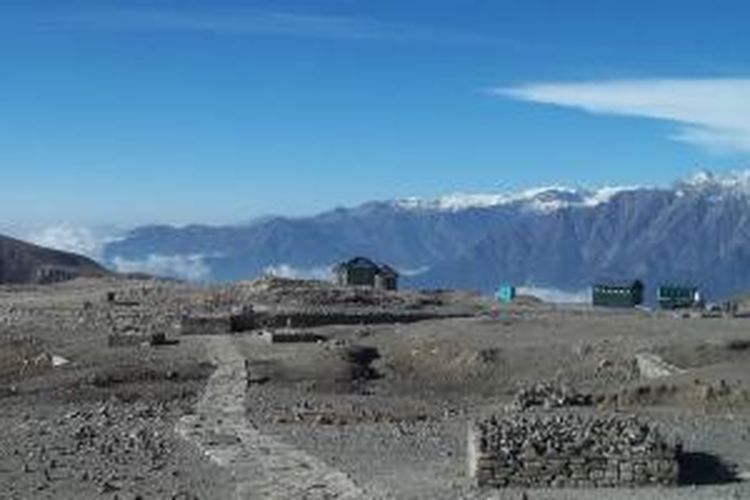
[375, 411]
[82, 420]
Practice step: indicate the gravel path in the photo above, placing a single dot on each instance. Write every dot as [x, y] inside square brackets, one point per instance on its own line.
[262, 467]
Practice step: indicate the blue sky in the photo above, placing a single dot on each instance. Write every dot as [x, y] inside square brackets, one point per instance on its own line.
[219, 111]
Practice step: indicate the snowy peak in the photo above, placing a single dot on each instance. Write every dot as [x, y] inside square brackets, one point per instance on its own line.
[544, 200]
[734, 183]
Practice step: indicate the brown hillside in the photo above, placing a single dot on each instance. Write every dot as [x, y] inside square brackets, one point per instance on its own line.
[24, 263]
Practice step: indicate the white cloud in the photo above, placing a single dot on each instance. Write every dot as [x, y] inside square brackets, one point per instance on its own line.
[77, 239]
[710, 113]
[287, 271]
[189, 267]
[409, 273]
[324, 272]
[556, 296]
[218, 20]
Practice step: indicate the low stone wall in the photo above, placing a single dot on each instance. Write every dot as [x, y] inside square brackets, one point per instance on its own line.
[207, 324]
[129, 338]
[290, 336]
[307, 318]
[569, 451]
[216, 324]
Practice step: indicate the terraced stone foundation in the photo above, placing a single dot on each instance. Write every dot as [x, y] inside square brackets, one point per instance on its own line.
[570, 451]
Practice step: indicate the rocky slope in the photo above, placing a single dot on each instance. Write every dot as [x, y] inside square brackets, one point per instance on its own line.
[24, 263]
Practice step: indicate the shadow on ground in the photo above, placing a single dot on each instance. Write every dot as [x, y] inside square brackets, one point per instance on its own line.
[703, 469]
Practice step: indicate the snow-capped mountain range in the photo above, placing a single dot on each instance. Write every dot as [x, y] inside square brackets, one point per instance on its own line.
[544, 199]
[696, 231]
[557, 197]
[734, 184]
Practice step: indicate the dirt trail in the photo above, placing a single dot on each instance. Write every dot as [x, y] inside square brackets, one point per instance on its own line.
[262, 466]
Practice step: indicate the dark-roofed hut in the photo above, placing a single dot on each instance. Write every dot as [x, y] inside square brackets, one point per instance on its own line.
[361, 271]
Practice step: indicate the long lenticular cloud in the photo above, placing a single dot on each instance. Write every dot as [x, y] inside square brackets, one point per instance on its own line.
[710, 113]
[216, 20]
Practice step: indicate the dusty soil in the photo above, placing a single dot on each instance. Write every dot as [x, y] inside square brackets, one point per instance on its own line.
[377, 411]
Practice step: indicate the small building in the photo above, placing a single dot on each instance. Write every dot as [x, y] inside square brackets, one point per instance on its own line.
[387, 278]
[617, 294]
[361, 271]
[678, 296]
[54, 274]
[505, 293]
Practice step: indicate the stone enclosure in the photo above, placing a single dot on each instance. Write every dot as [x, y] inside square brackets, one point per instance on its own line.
[569, 450]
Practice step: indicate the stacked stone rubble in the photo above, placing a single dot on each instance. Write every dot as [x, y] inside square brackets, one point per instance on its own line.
[570, 451]
[548, 396]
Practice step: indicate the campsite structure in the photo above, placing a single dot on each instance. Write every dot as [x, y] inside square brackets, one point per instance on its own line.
[361, 271]
[678, 297]
[618, 294]
[505, 293]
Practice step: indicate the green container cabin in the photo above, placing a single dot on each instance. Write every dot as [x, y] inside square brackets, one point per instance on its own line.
[617, 295]
[677, 297]
[505, 294]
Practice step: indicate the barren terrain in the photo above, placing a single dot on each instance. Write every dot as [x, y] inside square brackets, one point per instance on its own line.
[367, 411]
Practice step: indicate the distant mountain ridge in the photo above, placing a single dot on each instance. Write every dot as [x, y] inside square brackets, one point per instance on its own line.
[25, 263]
[697, 231]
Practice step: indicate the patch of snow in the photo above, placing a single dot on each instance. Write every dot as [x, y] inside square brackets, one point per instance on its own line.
[59, 360]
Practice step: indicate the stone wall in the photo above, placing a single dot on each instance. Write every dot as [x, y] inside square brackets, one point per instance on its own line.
[290, 336]
[129, 338]
[206, 324]
[217, 323]
[569, 450]
[312, 317]
[224, 322]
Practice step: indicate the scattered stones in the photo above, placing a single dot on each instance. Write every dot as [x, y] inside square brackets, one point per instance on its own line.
[550, 396]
